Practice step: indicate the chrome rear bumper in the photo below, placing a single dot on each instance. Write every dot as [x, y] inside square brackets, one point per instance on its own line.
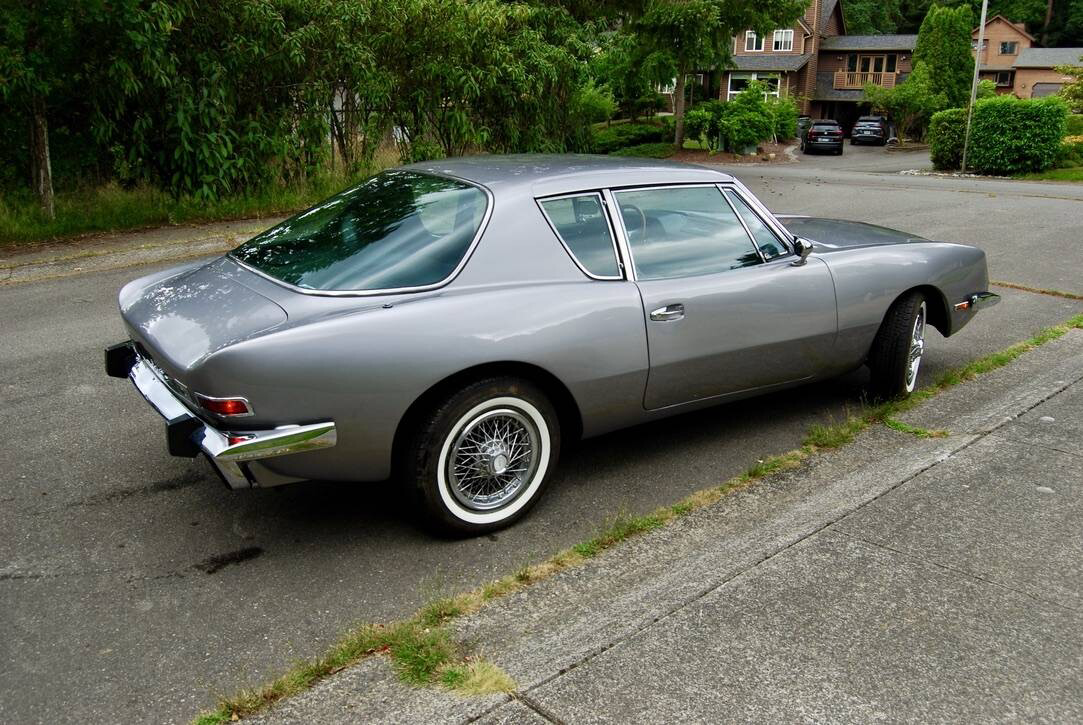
[188, 435]
[978, 301]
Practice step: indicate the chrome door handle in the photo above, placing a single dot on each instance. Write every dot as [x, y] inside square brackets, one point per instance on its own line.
[667, 313]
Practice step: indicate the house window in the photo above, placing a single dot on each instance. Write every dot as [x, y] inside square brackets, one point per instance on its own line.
[892, 63]
[851, 63]
[752, 41]
[739, 81]
[1008, 47]
[1004, 78]
[783, 40]
[667, 88]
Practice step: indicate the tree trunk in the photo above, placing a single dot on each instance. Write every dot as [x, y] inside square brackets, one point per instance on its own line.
[40, 166]
[1048, 20]
[678, 109]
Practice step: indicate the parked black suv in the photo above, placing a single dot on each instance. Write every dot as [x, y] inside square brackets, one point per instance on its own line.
[823, 135]
[869, 129]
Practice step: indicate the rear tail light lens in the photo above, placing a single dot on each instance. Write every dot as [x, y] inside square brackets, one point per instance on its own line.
[225, 407]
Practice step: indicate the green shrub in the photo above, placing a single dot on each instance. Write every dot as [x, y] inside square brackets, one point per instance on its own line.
[1074, 125]
[618, 136]
[661, 150]
[946, 135]
[784, 111]
[595, 104]
[1070, 154]
[696, 123]
[1010, 136]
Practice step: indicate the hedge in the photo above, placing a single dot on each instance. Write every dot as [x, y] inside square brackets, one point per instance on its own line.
[1074, 125]
[618, 136]
[946, 135]
[1008, 135]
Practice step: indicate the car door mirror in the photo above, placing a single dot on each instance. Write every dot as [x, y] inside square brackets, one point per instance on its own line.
[802, 248]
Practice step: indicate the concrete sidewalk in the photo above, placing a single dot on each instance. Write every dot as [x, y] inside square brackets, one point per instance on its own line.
[899, 578]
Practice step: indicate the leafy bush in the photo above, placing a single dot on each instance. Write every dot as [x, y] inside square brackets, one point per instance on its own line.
[649, 150]
[1009, 135]
[747, 120]
[986, 88]
[784, 111]
[947, 130]
[608, 140]
[911, 103]
[595, 104]
[1070, 153]
[696, 123]
[1074, 125]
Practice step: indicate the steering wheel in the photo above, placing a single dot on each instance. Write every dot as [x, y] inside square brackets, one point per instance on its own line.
[642, 219]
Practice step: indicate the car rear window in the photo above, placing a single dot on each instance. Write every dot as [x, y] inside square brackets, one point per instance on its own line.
[397, 230]
[581, 224]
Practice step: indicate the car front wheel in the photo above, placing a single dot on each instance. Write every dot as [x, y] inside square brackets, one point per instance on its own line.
[481, 459]
[896, 353]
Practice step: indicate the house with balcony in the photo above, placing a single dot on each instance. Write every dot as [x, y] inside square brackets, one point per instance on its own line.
[816, 62]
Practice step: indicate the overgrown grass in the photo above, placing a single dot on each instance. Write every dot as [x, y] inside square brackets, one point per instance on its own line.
[421, 648]
[1074, 173]
[112, 208]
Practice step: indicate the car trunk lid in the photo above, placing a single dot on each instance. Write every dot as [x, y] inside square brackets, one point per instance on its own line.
[184, 318]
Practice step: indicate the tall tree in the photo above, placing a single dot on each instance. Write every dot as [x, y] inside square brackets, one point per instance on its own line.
[943, 47]
[696, 34]
[872, 17]
[37, 51]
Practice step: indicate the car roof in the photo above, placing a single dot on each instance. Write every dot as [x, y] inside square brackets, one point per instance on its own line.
[550, 174]
[825, 122]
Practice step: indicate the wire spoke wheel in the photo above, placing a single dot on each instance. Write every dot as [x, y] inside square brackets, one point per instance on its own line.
[493, 458]
[917, 349]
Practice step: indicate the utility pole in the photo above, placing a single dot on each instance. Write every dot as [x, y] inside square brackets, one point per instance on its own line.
[974, 83]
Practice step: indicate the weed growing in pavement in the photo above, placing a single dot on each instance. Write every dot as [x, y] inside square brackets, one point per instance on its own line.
[422, 650]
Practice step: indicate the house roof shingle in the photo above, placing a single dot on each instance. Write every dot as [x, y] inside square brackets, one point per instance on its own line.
[1048, 57]
[777, 62]
[869, 42]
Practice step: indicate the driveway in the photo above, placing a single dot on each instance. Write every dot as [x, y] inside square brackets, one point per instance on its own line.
[135, 587]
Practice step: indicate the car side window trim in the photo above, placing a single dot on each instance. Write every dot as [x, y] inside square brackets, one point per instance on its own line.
[606, 212]
[722, 190]
[782, 239]
[609, 195]
[763, 213]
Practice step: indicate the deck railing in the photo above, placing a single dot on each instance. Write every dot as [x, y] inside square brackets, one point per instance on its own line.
[845, 80]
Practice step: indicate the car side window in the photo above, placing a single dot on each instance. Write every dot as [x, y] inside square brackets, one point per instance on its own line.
[683, 232]
[582, 226]
[766, 240]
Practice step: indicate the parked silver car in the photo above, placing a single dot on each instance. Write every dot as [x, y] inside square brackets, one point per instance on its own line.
[451, 323]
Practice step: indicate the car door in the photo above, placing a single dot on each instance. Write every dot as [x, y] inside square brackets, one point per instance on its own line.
[726, 308]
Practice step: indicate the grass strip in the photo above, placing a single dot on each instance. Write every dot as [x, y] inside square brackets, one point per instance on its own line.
[1038, 290]
[421, 649]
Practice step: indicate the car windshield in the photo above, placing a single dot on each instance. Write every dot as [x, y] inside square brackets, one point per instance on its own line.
[397, 230]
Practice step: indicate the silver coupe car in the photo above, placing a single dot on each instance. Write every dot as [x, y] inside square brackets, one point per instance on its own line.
[449, 324]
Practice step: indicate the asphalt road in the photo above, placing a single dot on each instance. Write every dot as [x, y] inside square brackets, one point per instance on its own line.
[134, 586]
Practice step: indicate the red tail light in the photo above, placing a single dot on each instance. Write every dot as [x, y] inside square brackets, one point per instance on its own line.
[225, 407]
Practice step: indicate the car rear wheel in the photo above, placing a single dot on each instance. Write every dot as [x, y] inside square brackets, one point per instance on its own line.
[481, 459]
[896, 353]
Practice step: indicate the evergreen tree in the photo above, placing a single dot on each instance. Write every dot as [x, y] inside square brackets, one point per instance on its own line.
[943, 47]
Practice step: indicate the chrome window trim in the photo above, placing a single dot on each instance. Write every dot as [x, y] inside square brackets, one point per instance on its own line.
[744, 225]
[540, 201]
[763, 213]
[396, 290]
[786, 248]
[718, 186]
[621, 234]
